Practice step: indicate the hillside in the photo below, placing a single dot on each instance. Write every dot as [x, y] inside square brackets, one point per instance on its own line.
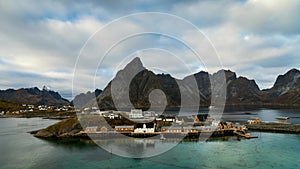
[9, 106]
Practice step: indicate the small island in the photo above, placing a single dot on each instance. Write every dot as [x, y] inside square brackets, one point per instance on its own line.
[140, 124]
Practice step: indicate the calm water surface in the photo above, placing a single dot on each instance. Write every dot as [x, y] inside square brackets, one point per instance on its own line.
[272, 150]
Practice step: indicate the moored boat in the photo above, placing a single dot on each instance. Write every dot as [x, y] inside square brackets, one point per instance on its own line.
[282, 118]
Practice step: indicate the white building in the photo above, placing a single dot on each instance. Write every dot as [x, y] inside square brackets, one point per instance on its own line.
[215, 123]
[169, 119]
[149, 114]
[158, 119]
[136, 114]
[42, 107]
[145, 128]
[30, 106]
[111, 116]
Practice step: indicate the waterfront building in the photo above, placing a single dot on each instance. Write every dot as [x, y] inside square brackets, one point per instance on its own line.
[254, 121]
[145, 128]
[103, 129]
[91, 129]
[124, 129]
[172, 129]
[178, 129]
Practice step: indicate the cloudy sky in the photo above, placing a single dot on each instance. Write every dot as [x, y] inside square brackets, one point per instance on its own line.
[41, 43]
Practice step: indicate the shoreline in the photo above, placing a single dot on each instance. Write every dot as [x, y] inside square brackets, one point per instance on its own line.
[37, 116]
[228, 107]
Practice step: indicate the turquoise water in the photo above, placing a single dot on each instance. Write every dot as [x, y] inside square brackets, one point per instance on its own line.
[20, 150]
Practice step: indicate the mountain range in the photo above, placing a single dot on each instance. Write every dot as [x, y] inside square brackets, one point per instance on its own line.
[136, 89]
[33, 96]
[241, 91]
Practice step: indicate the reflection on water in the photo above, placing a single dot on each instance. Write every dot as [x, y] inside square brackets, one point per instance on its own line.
[135, 147]
[263, 114]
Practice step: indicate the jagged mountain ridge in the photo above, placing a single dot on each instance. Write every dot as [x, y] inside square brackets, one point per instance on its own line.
[139, 82]
[286, 89]
[240, 90]
[33, 96]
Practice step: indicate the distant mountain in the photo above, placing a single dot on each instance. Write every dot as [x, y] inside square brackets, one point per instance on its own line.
[83, 98]
[240, 90]
[286, 89]
[33, 96]
[131, 88]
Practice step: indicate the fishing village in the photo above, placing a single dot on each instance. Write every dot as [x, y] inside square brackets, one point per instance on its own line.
[143, 124]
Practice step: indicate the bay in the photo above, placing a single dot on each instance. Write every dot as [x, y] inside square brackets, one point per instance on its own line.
[19, 149]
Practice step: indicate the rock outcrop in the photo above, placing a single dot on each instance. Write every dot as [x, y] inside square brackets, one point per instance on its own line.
[65, 128]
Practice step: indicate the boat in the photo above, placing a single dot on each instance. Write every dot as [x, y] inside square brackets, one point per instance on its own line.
[282, 118]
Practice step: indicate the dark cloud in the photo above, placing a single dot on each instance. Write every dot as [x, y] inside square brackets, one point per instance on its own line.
[279, 61]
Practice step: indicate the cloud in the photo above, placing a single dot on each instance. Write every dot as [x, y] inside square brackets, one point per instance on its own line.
[267, 17]
[40, 42]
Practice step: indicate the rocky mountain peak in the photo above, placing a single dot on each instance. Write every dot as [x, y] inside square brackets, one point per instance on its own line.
[135, 65]
[286, 88]
[46, 88]
[294, 71]
[230, 75]
[290, 80]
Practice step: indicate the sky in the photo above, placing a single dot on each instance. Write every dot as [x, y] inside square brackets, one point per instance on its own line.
[51, 42]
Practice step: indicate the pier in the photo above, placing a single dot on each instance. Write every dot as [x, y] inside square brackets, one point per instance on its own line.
[275, 127]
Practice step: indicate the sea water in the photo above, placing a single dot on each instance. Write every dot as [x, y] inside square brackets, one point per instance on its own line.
[19, 149]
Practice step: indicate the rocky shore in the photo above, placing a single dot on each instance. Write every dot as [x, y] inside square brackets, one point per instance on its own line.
[64, 129]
